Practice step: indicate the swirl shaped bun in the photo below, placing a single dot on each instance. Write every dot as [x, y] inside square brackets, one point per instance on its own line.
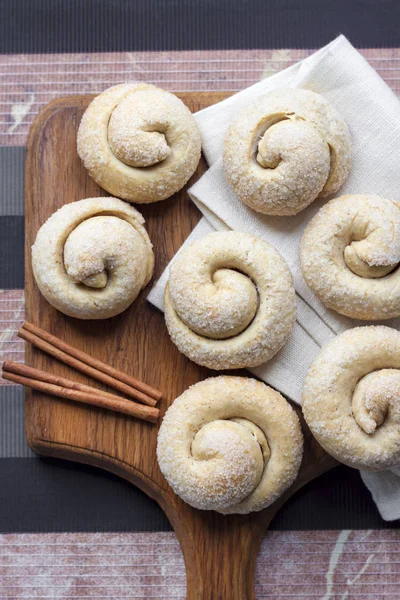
[349, 254]
[230, 301]
[230, 444]
[285, 150]
[351, 398]
[139, 142]
[92, 257]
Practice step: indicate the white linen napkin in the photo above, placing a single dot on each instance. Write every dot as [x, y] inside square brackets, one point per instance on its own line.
[372, 112]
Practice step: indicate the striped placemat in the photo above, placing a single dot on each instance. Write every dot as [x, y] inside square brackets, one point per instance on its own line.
[312, 564]
[326, 565]
[28, 82]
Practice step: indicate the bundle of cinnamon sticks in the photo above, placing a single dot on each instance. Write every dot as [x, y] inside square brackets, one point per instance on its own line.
[78, 392]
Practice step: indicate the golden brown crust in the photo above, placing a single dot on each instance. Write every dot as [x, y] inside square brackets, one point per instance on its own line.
[230, 301]
[230, 444]
[349, 254]
[92, 257]
[139, 142]
[286, 149]
[351, 398]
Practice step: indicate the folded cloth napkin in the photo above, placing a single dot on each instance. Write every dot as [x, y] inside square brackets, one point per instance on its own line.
[372, 112]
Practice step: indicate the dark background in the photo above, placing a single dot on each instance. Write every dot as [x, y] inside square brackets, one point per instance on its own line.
[46, 495]
[117, 25]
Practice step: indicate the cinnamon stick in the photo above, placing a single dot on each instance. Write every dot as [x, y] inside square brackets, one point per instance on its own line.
[93, 362]
[78, 364]
[123, 406]
[20, 369]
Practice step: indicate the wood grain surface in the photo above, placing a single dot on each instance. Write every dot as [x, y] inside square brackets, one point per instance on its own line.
[219, 551]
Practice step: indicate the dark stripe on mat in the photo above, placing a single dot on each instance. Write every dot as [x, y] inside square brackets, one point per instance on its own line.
[43, 495]
[12, 252]
[30, 26]
[13, 443]
[49, 495]
[336, 500]
[12, 159]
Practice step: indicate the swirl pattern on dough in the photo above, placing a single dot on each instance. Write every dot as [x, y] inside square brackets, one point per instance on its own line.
[351, 398]
[139, 142]
[92, 257]
[349, 254]
[230, 301]
[230, 444]
[286, 149]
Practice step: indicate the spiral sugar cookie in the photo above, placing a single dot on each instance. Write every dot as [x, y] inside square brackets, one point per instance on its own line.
[230, 301]
[351, 398]
[139, 142]
[349, 254]
[92, 257]
[230, 444]
[286, 149]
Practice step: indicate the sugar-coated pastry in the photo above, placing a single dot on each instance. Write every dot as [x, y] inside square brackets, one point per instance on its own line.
[351, 398]
[230, 444]
[139, 142]
[92, 257]
[229, 301]
[286, 149]
[350, 252]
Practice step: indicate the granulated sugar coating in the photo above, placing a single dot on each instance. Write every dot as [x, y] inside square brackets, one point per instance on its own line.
[230, 301]
[286, 149]
[230, 444]
[139, 142]
[349, 254]
[137, 129]
[92, 257]
[351, 398]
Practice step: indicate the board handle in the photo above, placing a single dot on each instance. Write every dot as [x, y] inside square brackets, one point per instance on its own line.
[220, 552]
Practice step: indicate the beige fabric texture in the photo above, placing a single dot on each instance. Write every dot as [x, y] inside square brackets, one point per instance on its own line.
[372, 112]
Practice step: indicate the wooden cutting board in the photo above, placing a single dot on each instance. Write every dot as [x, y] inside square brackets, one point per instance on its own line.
[219, 551]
